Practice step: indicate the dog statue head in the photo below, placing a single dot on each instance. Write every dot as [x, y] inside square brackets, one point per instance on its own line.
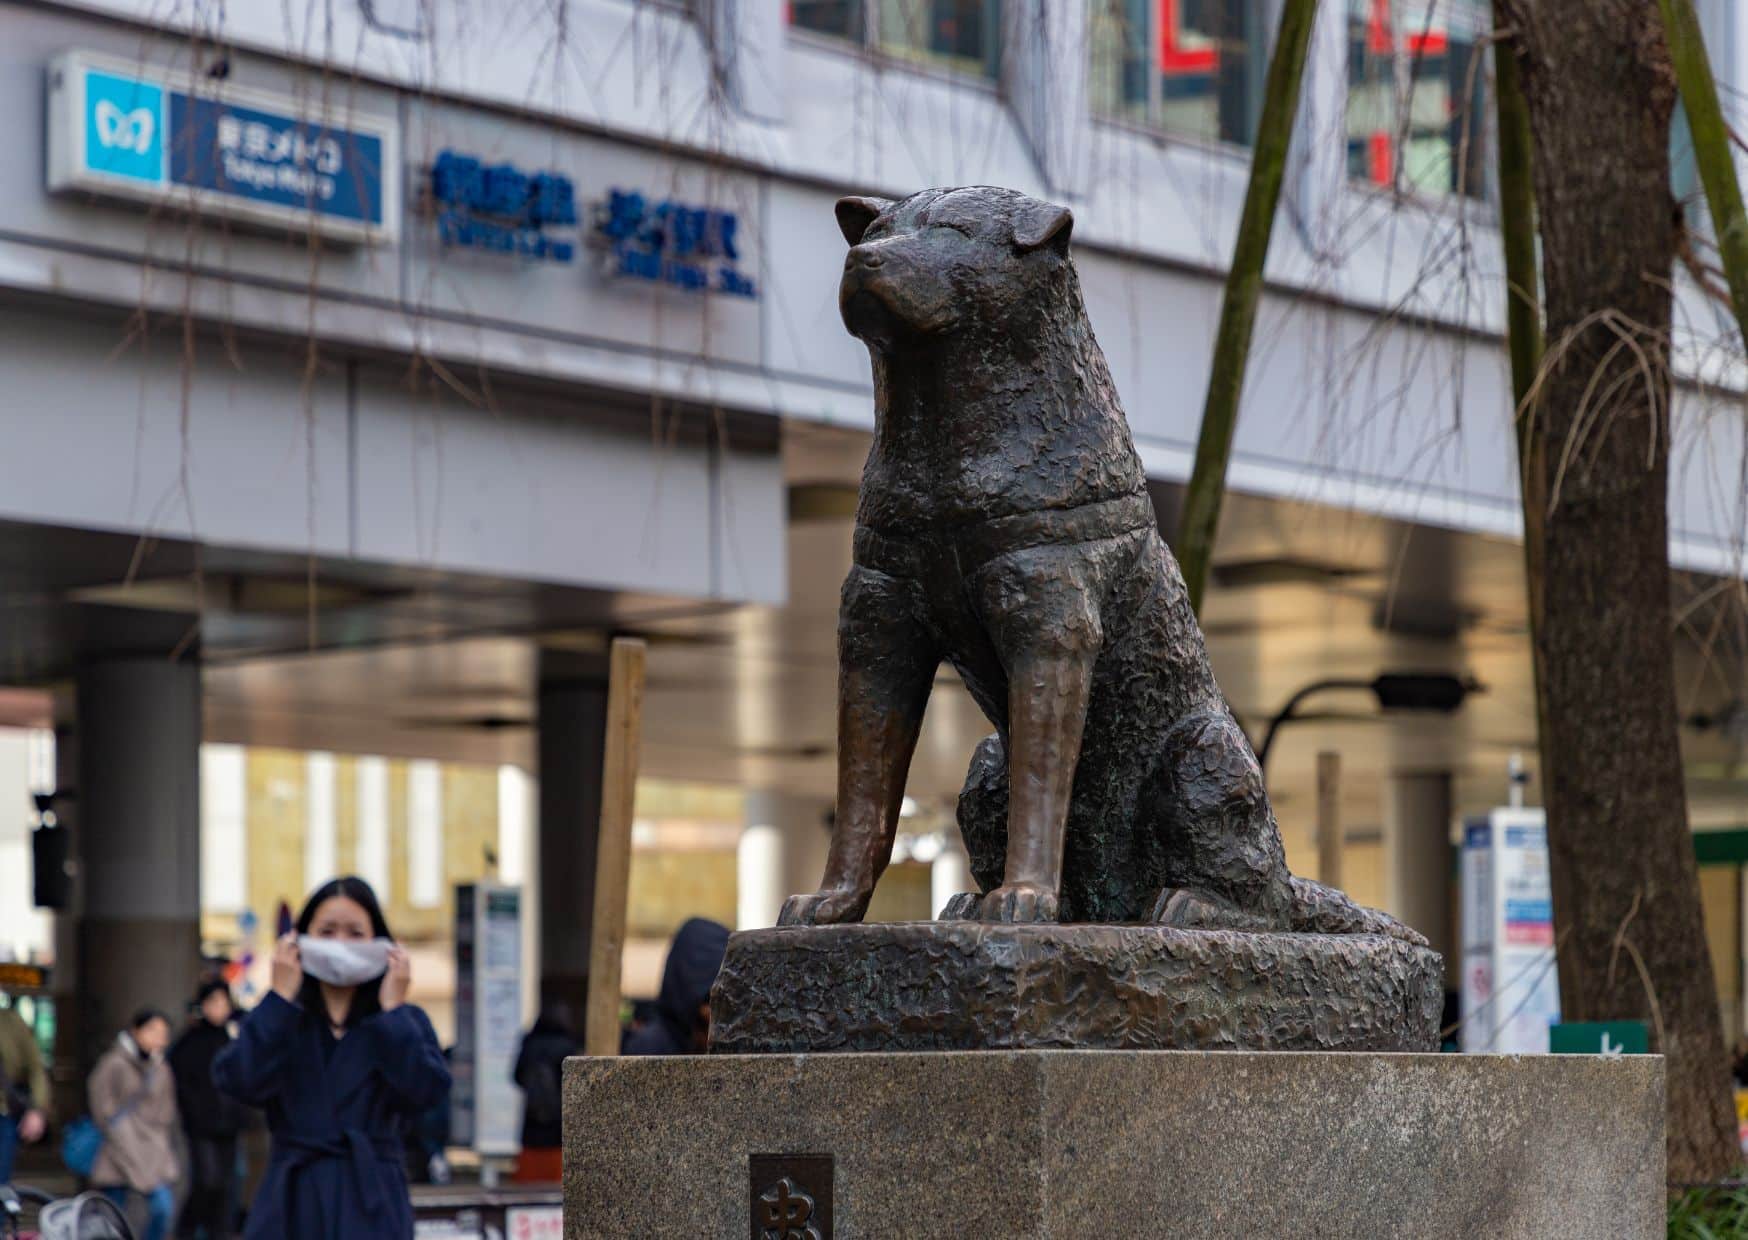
[944, 262]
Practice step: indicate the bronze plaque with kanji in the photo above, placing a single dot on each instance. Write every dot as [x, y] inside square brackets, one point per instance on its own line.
[790, 1196]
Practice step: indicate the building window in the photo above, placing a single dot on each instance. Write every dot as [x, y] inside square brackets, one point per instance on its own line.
[1191, 67]
[1416, 86]
[961, 35]
[842, 19]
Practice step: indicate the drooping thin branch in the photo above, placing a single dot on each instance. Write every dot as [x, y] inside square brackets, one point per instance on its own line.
[1207, 486]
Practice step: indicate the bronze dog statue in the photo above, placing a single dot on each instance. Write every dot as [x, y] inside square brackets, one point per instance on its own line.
[1004, 526]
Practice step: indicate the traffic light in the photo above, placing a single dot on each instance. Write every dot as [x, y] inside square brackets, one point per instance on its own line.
[50, 850]
[53, 886]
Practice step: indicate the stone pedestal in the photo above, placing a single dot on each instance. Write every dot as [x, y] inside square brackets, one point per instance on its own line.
[1062, 1144]
[968, 985]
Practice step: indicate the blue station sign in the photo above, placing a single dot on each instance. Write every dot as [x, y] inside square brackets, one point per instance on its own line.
[501, 208]
[674, 243]
[118, 130]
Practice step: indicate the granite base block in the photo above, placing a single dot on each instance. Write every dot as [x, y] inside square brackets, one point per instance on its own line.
[1060, 1144]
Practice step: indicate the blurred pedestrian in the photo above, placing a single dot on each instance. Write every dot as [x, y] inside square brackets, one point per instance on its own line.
[343, 1064]
[24, 1089]
[133, 1102]
[682, 1017]
[210, 1119]
[539, 1074]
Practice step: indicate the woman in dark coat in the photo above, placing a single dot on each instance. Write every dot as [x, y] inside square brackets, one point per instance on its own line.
[342, 1064]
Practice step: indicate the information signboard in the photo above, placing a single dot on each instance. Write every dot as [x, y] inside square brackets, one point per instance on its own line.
[126, 131]
[1601, 1037]
[485, 1104]
[1510, 988]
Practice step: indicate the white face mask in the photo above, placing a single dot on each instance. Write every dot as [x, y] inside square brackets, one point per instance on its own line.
[343, 962]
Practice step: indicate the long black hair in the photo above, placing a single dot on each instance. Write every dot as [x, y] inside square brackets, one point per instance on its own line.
[367, 998]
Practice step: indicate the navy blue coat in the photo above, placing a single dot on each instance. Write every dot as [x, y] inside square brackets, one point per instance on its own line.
[336, 1113]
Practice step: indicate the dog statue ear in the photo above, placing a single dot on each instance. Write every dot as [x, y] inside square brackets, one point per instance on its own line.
[855, 214]
[1042, 223]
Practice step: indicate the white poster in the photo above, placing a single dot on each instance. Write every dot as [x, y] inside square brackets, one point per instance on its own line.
[1511, 990]
[498, 1020]
[534, 1223]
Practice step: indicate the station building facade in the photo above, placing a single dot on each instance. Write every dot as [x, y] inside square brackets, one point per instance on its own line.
[369, 367]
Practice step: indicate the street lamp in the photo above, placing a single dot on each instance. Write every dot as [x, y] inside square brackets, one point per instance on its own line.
[1421, 691]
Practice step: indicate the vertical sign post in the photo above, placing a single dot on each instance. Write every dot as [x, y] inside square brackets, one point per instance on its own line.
[464, 1056]
[485, 1105]
[1511, 989]
[1329, 819]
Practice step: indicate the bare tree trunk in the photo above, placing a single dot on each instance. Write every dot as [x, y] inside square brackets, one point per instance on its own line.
[1598, 83]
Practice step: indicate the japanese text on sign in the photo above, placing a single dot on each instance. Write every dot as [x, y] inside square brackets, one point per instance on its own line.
[535, 1223]
[499, 207]
[691, 248]
[260, 154]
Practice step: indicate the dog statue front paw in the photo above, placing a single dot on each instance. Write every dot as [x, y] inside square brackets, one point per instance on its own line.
[823, 908]
[1019, 902]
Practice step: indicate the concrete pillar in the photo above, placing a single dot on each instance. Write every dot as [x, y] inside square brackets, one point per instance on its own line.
[137, 840]
[573, 737]
[782, 853]
[1044, 76]
[1417, 856]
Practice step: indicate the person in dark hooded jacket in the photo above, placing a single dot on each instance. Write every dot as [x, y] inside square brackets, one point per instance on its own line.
[682, 1018]
[210, 1120]
[539, 1074]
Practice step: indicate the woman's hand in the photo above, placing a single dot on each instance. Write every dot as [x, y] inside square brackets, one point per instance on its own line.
[397, 980]
[287, 968]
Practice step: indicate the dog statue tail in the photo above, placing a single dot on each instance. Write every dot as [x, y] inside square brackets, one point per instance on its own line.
[1317, 909]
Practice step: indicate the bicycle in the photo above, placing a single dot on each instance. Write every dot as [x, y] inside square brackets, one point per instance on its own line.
[88, 1216]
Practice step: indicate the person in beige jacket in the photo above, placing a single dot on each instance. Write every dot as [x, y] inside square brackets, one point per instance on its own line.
[24, 1089]
[133, 1100]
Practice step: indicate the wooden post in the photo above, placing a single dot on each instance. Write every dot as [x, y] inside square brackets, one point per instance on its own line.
[1329, 819]
[613, 844]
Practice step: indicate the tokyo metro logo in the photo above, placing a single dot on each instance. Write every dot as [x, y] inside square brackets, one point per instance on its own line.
[131, 131]
[124, 127]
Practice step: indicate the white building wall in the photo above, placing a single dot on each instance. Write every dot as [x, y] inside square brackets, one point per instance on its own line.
[1407, 413]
